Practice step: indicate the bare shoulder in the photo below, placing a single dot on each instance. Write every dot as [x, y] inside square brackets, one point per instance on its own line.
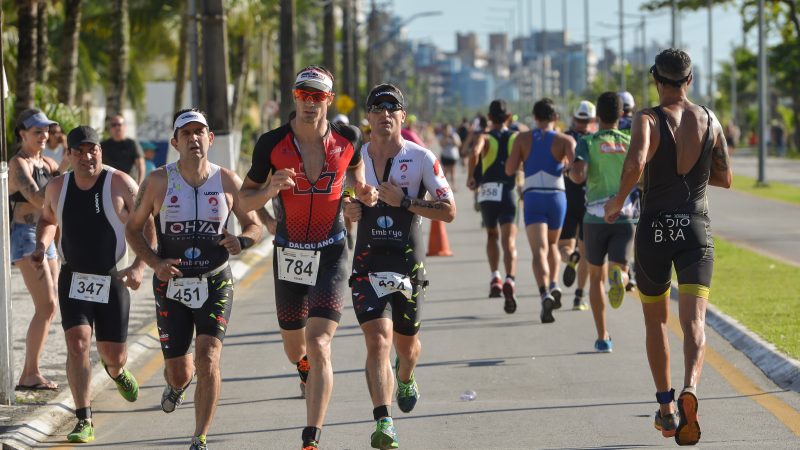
[121, 182]
[230, 179]
[524, 136]
[50, 163]
[156, 181]
[55, 184]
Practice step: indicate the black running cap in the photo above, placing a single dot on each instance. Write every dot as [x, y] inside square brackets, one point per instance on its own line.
[83, 134]
[385, 90]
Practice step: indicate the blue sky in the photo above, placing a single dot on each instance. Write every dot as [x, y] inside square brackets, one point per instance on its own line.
[487, 16]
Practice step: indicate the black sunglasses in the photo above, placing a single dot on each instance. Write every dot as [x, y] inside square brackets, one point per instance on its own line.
[385, 106]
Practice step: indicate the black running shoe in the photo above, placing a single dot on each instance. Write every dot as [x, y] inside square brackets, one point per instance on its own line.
[510, 305]
[547, 310]
[569, 271]
[495, 287]
[556, 294]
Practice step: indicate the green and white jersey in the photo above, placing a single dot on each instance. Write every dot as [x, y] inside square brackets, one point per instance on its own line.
[604, 153]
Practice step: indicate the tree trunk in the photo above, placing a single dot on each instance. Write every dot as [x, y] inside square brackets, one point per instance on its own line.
[42, 56]
[355, 114]
[287, 71]
[26, 54]
[215, 66]
[347, 48]
[240, 85]
[68, 63]
[118, 58]
[180, 70]
[329, 37]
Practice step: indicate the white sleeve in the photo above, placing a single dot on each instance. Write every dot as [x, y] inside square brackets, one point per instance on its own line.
[433, 178]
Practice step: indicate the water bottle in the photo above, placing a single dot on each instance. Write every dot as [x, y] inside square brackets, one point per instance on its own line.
[468, 396]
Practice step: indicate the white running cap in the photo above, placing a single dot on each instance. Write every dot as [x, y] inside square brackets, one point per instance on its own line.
[585, 110]
[314, 79]
[187, 117]
[626, 99]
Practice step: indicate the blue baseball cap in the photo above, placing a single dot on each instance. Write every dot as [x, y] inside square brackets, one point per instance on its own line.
[37, 119]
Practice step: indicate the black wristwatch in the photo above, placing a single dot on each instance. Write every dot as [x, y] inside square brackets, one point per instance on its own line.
[406, 202]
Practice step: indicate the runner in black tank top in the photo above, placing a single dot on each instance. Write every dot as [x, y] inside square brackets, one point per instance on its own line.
[674, 228]
[89, 207]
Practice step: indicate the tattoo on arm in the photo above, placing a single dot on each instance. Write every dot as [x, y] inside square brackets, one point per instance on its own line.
[426, 204]
[140, 195]
[719, 159]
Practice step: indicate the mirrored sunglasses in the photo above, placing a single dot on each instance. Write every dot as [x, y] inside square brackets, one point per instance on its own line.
[316, 97]
[385, 106]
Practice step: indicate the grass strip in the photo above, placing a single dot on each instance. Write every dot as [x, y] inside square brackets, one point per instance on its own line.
[773, 191]
[760, 292]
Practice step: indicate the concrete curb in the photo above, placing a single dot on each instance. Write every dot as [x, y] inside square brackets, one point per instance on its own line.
[44, 421]
[778, 367]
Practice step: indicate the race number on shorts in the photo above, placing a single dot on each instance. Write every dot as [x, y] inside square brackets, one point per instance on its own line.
[298, 266]
[89, 287]
[385, 283]
[192, 292]
[490, 192]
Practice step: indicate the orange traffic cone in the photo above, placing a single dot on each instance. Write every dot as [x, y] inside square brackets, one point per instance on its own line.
[437, 243]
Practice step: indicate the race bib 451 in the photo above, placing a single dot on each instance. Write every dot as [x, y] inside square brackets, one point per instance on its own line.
[192, 292]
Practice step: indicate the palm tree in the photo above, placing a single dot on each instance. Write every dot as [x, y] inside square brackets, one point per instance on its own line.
[118, 58]
[180, 71]
[26, 53]
[329, 36]
[69, 52]
[42, 59]
[287, 71]
[215, 66]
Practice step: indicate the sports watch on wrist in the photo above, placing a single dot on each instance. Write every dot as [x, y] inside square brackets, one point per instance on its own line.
[406, 202]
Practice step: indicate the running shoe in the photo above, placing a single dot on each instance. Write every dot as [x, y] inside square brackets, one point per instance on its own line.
[510, 305]
[407, 393]
[556, 294]
[127, 386]
[171, 398]
[313, 445]
[83, 432]
[495, 287]
[616, 290]
[303, 366]
[604, 345]
[579, 305]
[385, 436]
[688, 431]
[199, 443]
[666, 424]
[547, 309]
[569, 271]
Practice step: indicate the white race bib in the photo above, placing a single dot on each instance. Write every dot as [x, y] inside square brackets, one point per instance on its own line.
[192, 292]
[298, 266]
[385, 283]
[490, 192]
[89, 287]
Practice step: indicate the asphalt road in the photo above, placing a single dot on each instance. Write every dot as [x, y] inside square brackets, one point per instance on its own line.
[537, 386]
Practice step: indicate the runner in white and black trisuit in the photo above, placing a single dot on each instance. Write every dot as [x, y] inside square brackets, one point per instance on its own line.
[191, 201]
[681, 149]
[89, 206]
[388, 280]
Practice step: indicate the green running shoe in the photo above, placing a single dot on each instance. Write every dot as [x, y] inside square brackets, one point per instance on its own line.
[616, 290]
[385, 436]
[127, 386]
[407, 393]
[83, 432]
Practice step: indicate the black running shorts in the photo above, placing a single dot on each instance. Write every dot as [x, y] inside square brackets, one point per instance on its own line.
[177, 322]
[296, 302]
[679, 239]
[109, 320]
[614, 240]
[502, 212]
[404, 312]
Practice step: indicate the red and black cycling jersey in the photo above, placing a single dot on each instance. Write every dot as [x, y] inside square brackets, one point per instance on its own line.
[310, 214]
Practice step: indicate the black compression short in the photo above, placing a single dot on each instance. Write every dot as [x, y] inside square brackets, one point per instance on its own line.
[673, 238]
[109, 320]
[405, 313]
[296, 302]
[177, 322]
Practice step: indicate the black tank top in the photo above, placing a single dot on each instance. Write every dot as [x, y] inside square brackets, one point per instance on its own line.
[492, 165]
[665, 190]
[92, 236]
[40, 176]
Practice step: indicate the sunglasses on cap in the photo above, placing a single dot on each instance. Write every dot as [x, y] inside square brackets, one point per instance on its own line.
[316, 97]
[385, 106]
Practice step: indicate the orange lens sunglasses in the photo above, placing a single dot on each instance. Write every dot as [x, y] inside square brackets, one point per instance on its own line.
[316, 97]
